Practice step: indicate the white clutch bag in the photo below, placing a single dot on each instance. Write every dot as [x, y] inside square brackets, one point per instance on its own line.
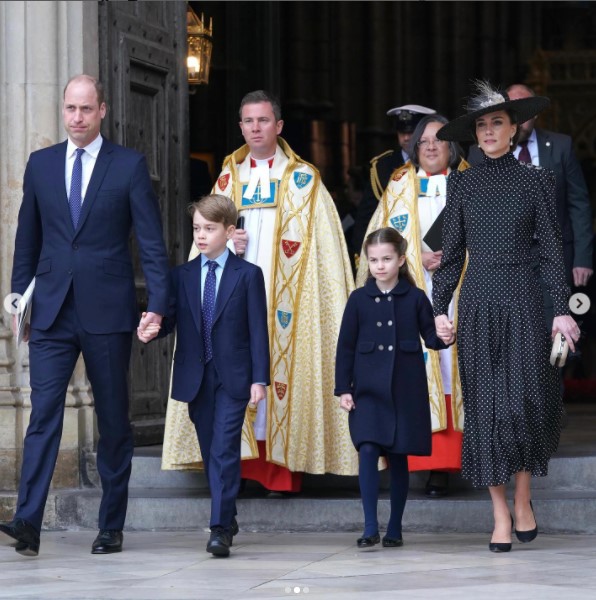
[558, 354]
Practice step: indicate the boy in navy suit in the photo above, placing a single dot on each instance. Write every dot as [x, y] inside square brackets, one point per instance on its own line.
[219, 309]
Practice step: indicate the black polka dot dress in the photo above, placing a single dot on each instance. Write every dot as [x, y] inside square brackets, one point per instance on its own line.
[511, 393]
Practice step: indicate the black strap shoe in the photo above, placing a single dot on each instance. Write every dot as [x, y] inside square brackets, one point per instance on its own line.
[108, 541]
[21, 535]
[366, 541]
[390, 542]
[219, 542]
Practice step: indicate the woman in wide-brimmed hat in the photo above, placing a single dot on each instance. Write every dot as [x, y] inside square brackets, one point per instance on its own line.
[511, 394]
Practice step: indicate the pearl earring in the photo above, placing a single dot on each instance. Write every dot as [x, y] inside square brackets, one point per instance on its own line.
[511, 142]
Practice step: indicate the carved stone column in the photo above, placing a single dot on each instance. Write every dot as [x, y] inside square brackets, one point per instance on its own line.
[42, 44]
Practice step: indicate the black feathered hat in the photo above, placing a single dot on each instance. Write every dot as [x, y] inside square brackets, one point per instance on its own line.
[487, 100]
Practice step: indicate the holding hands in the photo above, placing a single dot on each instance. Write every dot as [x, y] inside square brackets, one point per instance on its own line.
[432, 260]
[149, 326]
[346, 402]
[445, 329]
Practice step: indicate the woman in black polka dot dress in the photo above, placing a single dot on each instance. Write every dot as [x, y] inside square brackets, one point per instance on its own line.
[511, 393]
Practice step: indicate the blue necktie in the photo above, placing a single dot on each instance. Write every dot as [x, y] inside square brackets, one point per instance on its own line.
[208, 309]
[76, 185]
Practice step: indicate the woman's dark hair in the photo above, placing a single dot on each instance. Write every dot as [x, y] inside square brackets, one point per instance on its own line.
[455, 151]
[388, 235]
[513, 118]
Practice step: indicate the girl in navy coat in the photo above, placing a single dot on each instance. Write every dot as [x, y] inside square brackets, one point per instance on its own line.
[380, 377]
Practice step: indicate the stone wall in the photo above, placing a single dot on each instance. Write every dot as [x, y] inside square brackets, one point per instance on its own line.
[42, 44]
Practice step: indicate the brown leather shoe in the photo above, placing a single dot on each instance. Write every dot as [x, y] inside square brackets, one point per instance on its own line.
[21, 535]
[108, 541]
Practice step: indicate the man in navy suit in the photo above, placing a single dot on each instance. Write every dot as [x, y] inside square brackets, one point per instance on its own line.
[219, 311]
[81, 198]
[555, 151]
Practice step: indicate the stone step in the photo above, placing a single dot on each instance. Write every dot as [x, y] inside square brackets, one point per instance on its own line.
[466, 512]
[566, 473]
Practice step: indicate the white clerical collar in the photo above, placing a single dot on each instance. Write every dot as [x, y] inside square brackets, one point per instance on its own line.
[437, 184]
[259, 175]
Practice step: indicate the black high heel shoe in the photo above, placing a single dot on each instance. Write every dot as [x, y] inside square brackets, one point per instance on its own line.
[527, 536]
[501, 546]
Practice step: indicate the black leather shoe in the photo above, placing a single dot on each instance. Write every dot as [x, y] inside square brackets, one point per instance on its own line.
[21, 535]
[108, 541]
[389, 542]
[437, 485]
[368, 540]
[233, 530]
[219, 542]
[527, 536]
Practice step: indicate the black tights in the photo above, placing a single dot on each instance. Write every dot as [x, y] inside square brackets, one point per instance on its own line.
[368, 475]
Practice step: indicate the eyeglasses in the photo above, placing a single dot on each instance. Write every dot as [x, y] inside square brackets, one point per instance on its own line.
[427, 143]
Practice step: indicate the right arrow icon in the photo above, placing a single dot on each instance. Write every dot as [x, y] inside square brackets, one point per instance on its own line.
[579, 304]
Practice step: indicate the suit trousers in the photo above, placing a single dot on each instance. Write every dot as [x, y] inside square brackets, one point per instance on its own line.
[218, 420]
[53, 354]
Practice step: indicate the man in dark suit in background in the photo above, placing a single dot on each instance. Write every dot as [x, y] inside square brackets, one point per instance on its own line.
[382, 166]
[555, 151]
[81, 198]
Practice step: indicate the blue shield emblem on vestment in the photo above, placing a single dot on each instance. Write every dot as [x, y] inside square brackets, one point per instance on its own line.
[425, 354]
[400, 222]
[284, 318]
[301, 179]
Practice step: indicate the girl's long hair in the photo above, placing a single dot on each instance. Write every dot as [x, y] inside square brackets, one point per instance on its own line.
[388, 235]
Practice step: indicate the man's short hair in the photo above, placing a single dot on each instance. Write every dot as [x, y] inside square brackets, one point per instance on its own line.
[101, 98]
[521, 85]
[261, 96]
[216, 208]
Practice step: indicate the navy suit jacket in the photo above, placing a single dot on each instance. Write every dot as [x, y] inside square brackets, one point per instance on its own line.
[239, 334]
[95, 258]
[574, 213]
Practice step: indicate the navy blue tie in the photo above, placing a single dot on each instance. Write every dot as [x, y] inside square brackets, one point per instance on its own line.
[76, 186]
[208, 309]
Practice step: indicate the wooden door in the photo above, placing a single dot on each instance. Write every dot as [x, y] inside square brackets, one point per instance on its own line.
[143, 68]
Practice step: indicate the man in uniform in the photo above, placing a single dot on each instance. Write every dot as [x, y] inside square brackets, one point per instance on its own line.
[289, 227]
[382, 166]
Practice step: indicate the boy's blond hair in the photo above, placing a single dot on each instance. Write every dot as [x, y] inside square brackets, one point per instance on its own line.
[216, 208]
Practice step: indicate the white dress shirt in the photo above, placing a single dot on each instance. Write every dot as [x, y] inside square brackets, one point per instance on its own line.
[532, 149]
[88, 159]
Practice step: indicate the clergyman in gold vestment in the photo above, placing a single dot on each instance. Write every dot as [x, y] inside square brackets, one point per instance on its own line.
[291, 229]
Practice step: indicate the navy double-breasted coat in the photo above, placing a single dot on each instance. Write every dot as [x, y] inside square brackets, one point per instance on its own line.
[381, 363]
